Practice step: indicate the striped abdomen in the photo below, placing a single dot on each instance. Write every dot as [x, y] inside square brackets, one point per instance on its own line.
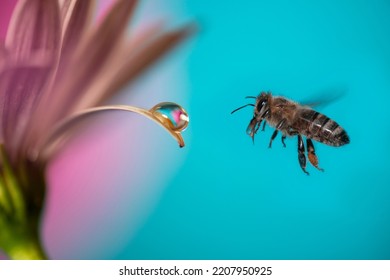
[320, 128]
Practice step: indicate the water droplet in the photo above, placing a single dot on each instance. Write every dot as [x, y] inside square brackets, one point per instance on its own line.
[172, 115]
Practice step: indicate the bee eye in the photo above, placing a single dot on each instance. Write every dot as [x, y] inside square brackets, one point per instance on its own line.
[260, 105]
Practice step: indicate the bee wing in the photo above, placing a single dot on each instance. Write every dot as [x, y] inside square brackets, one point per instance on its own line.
[324, 98]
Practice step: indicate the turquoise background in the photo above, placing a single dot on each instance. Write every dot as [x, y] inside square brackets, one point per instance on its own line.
[126, 191]
[231, 199]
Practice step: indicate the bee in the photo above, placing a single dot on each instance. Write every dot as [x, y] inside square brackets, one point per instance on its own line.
[293, 119]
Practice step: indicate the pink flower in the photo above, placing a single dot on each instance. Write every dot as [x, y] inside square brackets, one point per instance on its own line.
[57, 68]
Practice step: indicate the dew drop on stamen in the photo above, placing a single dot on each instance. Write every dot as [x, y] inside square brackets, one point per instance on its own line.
[172, 115]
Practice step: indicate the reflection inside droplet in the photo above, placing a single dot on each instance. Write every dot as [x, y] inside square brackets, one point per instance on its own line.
[172, 115]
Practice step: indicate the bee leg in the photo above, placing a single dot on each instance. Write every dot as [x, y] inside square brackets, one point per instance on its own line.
[301, 154]
[263, 116]
[312, 155]
[278, 127]
[253, 138]
[283, 138]
[251, 128]
[257, 126]
[263, 126]
[272, 138]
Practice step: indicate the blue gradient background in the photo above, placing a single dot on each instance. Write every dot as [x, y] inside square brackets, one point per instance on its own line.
[221, 197]
[230, 199]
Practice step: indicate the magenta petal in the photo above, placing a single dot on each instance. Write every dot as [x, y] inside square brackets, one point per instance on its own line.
[132, 60]
[23, 86]
[34, 27]
[75, 21]
[138, 60]
[89, 58]
[3, 57]
[7, 6]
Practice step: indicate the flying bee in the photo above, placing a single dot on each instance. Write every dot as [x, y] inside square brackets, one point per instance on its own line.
[293, 119]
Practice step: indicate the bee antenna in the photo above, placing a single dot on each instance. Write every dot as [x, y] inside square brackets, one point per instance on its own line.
[251, 97]
[239, 108]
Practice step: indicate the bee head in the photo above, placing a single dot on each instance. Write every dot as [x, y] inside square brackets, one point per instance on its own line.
[262, 105]
[261, 109]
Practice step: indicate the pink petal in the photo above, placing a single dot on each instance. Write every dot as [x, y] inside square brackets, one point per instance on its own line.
[3, 57]
[90, 57]
[65, 7]
[138, 60]
[75, 21]
[35, 26]
[22, 85]
[33, 38]
[7, 6]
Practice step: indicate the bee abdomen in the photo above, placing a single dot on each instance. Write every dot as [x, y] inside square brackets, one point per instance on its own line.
[323, 129]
